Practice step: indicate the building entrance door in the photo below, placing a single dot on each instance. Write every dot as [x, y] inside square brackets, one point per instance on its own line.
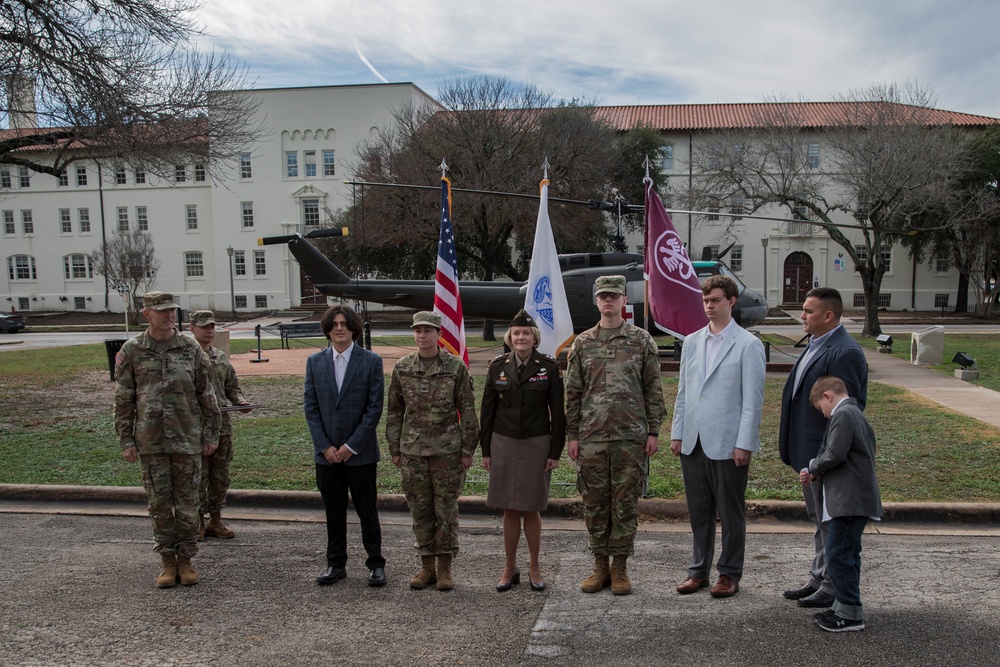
[310, 295]
[798, 278]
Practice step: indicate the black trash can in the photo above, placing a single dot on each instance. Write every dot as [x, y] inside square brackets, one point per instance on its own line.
[112, 346]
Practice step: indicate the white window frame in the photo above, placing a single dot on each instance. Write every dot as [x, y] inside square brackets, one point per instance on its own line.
[240, 263]
[291, 164]
[246, 214]
[259, 264]
[329, 162]
[65, 221]
[27, 222]
[246, 166]
[142, 218]
[77, 263]
[18, 263]
[83, 220]
[191, 217]
[194, 264]
[122, 217]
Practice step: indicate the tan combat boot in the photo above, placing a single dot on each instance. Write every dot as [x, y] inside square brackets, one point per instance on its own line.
[215, 528]
[600, 578]
[620, 583]
[186, 571]
[444, 580]
[201, 527]
[426, 576]
[168, 577]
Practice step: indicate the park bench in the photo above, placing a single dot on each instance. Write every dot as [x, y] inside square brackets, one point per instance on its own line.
[298, 330]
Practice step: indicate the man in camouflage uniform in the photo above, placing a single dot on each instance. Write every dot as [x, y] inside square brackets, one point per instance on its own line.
[166, 417]
[614, 407]
[215, 467]
[432, 431]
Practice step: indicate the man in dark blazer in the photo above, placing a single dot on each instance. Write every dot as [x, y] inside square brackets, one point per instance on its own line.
[831, 351]
[343, 398]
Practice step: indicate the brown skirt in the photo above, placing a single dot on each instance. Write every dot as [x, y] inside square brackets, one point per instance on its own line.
[518, 480]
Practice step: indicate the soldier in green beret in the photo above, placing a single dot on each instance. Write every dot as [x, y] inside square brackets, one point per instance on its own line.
[432, 431]
[166, 417]
[614, 408]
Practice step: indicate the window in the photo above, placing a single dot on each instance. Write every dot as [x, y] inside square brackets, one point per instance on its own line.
[140, 177]
[241, 301]
[329, 163]
[260, 301]
[180, 173]
[259, 266]
[24, 176]
[5, 181]
[123, 218]
[667, 158]
[81, 176]
[80, 302]
[191, 215]
[887, 260]
[713, 161]
[310, 212]
[141, 219]
[23, 303]
[63, 179]
[941, 300]
[884, 300]
[942, 264]
[193, 265]
[862, 253]
[713, 210]
[247, 214]
[8, 223]
[77, 267]
[812, 156]
[799, 210]
[27, 224]
[240, 262]
[65, 222]
[120, 177]
[83, 216]
[246, 168]
[736, 258]
[21, 267]
[737, 206]
[309, 160]
[859, 300]
[199, 173]
[291, 164]
[710, 252]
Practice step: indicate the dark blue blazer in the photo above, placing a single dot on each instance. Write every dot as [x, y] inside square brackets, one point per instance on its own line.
[349, 416]
[802, 425]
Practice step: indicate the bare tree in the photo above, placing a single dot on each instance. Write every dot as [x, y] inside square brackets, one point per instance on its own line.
[887, 157]
[117, 80]
[128, 260]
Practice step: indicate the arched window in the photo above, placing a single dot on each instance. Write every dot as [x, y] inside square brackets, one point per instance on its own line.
[21, 267]
[77, 267]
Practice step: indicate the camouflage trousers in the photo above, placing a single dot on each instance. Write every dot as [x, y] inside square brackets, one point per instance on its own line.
[432, 485]
[215, 476]
[609, 479]
[171, 482]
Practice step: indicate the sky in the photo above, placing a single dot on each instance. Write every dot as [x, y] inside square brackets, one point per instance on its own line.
[627, 52]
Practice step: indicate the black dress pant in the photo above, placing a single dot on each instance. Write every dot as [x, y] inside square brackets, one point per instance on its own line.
[334, 481]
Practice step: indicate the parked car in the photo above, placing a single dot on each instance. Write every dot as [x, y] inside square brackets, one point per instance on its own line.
[11, 323]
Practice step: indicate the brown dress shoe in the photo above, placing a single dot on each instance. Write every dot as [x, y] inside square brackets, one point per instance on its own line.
[724, 587]
[691, 585]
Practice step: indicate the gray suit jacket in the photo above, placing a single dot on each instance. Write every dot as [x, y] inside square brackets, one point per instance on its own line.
[349, 416]
[723, 408]
[846, 463]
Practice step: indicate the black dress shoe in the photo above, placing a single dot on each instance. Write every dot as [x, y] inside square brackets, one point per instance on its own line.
[331, 576]
[536, 585]
[516, 579]
[817, 599]
[377, 577]
[799, 593]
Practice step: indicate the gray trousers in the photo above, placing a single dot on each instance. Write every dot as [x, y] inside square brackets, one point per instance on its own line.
[813, 494]
[715, 487]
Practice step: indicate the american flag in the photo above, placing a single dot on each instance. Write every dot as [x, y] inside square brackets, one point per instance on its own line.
[447, 301]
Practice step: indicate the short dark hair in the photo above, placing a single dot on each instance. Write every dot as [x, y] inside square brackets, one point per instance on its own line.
[353, 320]
[725, 283]
[827, 383]
[830, 298]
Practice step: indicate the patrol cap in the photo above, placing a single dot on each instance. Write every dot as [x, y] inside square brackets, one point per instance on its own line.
[610, 285]
[427, 319]
[523, 319]
[202, 318]
[158, 301]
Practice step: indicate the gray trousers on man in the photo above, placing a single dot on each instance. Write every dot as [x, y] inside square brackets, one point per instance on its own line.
[813, 494]
[715, 487]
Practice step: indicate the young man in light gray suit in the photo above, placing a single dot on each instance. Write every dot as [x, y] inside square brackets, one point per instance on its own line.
[715, 432]
[343, 399]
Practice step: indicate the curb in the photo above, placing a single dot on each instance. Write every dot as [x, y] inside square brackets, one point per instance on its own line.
[650, 509]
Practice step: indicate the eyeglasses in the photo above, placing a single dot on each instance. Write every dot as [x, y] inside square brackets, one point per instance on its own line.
[608, 296]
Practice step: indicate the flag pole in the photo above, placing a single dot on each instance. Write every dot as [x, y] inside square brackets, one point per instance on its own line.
[645, 249]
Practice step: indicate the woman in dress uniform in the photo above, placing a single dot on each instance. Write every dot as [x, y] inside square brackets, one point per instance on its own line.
[523, 430]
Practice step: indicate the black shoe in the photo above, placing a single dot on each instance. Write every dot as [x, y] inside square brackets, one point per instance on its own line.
[536, 585]
[824, 614]
[817, 599]
[377, 577]
[516, 579]
[799, 593]
[331, 576]
[835, 623]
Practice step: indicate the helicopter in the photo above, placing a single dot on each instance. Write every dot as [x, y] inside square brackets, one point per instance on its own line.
[498, 300]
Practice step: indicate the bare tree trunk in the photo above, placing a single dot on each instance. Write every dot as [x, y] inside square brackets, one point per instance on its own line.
[488, 333]
[871, 284]
[962, 298]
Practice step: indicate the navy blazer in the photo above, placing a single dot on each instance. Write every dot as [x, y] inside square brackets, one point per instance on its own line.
[846, 464]
[802, 425]
[349, 416]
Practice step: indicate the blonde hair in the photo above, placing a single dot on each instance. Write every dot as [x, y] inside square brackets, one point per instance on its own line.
[534, 331]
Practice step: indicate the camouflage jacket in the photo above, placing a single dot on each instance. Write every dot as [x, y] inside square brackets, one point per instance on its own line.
[225, 385]
[613, 389]
[432, 412]
[164, 402]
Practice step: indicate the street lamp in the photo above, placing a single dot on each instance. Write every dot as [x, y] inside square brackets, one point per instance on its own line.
[763, 242]
[232, 289]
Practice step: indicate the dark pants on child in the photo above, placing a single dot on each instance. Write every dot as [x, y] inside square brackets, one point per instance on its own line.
[843, 564]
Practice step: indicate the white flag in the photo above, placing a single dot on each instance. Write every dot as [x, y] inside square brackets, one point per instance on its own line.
[545, 299]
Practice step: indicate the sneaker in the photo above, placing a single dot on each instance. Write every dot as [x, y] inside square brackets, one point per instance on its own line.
[826, 613]
[835, 623]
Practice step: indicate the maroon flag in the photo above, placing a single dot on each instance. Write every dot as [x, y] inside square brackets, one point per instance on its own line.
[674, 290]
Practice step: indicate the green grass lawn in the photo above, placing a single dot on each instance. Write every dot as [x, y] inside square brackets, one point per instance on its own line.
[984, 348]
[57, 429]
